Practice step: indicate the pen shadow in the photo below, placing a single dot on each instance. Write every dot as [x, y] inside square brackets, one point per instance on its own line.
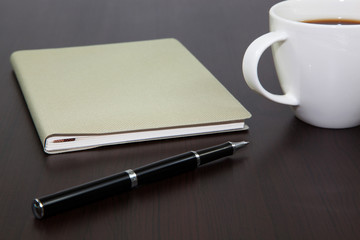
[135, 202]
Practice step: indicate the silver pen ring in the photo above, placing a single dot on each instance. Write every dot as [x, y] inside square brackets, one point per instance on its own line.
[198, 160]
[133, 178]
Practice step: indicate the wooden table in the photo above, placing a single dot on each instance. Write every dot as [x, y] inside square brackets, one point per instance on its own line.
[293, 181]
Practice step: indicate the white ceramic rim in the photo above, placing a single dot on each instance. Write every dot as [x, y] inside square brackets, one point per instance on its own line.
[293, 5]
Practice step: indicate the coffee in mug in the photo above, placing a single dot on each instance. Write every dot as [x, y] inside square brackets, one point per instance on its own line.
[335, 21]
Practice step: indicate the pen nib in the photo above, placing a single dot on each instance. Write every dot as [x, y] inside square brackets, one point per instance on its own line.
[238, 145]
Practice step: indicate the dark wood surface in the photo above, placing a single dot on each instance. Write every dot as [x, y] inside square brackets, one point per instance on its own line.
[293, 181]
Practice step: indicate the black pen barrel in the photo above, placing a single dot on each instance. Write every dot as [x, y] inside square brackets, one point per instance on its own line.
[108, 186]
[213, 153]
[182, 163]
[81, 195]
[166, 168]
[99, 189]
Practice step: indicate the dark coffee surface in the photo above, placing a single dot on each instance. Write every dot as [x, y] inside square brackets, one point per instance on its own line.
[333, 21]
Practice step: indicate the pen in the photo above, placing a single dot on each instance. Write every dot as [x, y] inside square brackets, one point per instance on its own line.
[105, 187]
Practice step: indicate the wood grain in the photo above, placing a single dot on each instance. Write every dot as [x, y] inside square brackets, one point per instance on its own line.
[293, 181]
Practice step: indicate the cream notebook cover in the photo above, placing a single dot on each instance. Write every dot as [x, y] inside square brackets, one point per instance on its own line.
[91, 96]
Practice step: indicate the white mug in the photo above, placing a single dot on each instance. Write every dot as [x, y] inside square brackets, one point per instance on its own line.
[318, 65]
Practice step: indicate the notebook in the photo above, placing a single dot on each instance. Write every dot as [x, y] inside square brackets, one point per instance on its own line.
[92, 96]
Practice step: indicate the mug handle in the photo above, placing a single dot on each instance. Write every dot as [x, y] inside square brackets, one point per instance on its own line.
[250, 65]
